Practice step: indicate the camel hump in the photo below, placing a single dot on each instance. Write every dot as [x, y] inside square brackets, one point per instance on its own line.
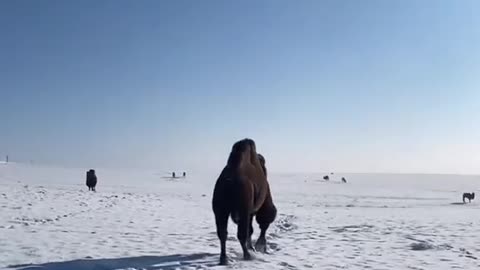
[261, 192]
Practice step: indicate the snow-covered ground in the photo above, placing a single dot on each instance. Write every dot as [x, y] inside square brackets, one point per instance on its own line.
[144, 220]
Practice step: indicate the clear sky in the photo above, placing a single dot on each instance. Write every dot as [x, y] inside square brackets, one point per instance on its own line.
[350, 86]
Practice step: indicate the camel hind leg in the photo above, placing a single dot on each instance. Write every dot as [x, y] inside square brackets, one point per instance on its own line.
[221, 220]
[265, 216]
[243, 235]
[244, 208]
[250, 232]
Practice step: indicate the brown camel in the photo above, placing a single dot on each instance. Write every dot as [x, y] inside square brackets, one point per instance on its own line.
[242, 192]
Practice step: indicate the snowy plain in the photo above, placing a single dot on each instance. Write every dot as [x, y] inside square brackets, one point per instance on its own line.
[145, 220]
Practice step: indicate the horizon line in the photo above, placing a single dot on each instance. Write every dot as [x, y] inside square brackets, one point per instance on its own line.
[212, 171]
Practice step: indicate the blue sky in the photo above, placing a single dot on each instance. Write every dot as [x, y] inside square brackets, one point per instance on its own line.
[352, 86]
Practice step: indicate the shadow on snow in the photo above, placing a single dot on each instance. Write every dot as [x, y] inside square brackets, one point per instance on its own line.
[168, 262]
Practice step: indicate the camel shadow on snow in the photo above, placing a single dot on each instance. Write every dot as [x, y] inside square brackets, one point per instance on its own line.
[168, 262]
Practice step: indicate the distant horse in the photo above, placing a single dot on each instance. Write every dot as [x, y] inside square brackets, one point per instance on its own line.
[91, 180]
[242, 192]
[469, 196]
[326, 178]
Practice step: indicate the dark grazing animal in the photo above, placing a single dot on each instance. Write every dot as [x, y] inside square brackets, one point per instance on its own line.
[469, 196]
[242, 192]
[91, 180]
[326, 178]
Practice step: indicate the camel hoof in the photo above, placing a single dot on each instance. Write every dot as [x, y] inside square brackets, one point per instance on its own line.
[261, 245]
[223, 261]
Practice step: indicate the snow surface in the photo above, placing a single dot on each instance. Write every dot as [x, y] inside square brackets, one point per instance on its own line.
[145, 220]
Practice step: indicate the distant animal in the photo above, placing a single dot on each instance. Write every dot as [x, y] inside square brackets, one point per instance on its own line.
[184, 174]
[344, 180]
[469, 196]
[173, 174]
[326, 178]
[91, 180]
[242, 192]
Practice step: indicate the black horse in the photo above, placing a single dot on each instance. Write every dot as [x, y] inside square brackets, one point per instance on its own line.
[91, 180]
[242, 192]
